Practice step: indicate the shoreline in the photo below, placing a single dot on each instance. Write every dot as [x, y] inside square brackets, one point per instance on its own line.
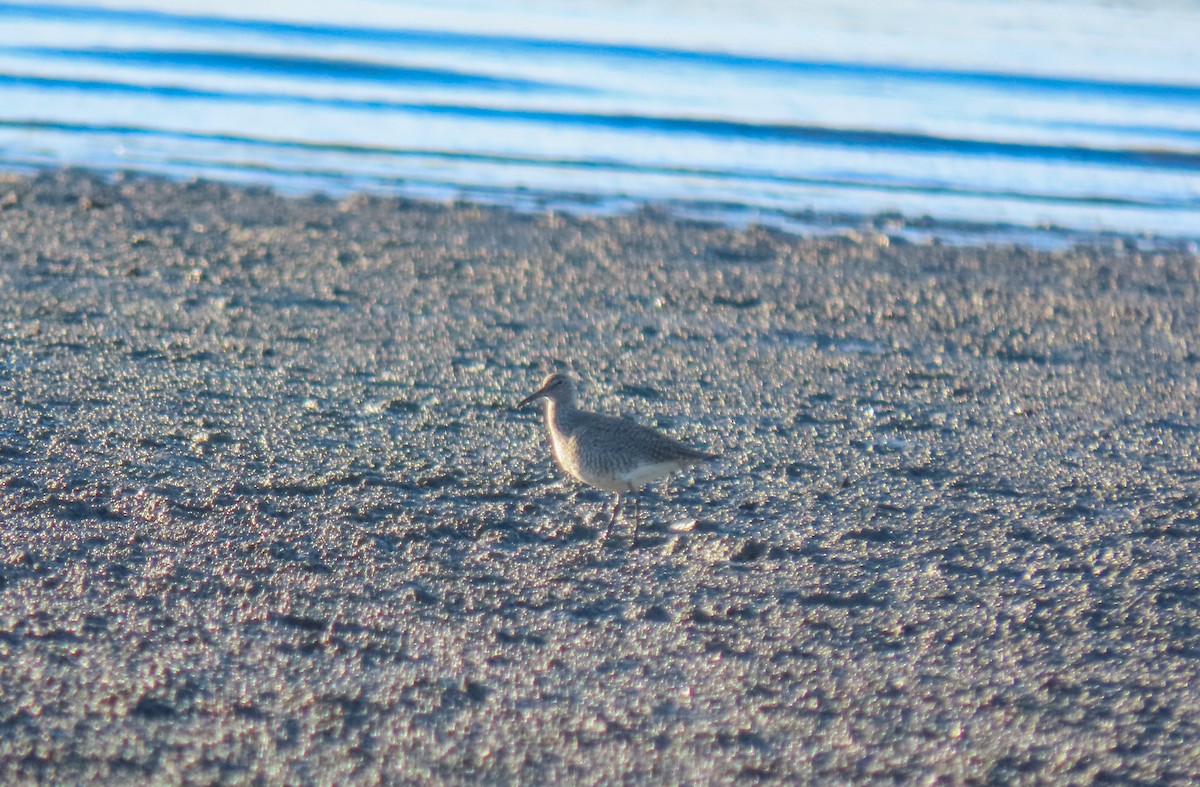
[885, 227]
[269, 512]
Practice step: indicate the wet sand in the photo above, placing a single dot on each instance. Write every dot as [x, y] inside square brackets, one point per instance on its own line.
[269, 514]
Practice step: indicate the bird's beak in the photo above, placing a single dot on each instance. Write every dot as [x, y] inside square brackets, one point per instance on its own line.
[538, 394]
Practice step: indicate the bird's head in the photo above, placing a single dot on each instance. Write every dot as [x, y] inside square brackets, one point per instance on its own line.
[558, 388]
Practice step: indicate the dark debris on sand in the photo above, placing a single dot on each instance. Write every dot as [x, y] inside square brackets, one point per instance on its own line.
[269, 514]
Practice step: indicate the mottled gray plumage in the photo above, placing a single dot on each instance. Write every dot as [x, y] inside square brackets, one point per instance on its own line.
[609, 453]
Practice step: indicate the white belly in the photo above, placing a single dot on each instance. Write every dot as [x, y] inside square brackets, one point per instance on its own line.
[644, 474]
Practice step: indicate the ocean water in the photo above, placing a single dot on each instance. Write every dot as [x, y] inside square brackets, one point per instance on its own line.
[1074, 115]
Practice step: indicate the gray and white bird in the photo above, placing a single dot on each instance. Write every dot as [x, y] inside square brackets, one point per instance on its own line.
[613, 454]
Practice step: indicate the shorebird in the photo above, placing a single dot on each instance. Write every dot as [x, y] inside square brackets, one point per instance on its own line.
[613, 454]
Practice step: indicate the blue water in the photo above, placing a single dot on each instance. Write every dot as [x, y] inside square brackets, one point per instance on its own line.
[1075, 114]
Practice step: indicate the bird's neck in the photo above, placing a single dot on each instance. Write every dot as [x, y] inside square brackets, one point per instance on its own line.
[558, 411]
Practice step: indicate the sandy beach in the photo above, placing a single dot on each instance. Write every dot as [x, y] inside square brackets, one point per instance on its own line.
[270, 514]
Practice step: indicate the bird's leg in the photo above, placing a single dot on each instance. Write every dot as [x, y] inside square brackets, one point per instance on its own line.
[613, 518]
[637, 516]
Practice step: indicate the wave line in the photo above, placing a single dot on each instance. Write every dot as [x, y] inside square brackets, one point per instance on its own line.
[534, 46]
[566, 163]
[903, 141]
[291, 65]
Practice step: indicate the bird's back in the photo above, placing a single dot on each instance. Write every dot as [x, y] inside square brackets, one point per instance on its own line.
[615, 453]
